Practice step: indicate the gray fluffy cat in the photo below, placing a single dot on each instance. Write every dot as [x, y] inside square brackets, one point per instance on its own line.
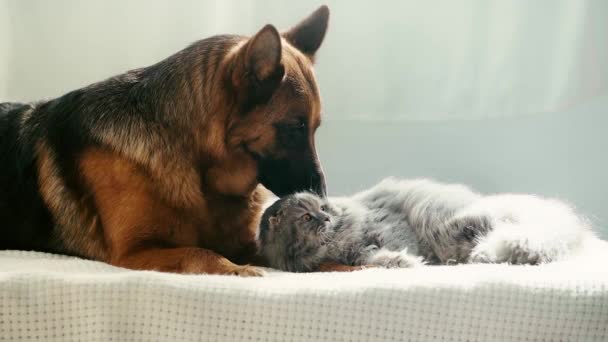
[405, 223]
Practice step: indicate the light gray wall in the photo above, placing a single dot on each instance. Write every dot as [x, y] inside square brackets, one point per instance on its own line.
[51, 47]
[5, 48]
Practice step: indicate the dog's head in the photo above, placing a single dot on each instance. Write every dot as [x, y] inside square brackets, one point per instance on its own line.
[279, 109]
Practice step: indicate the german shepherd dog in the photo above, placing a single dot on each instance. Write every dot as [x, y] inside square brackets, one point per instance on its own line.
[166, 167]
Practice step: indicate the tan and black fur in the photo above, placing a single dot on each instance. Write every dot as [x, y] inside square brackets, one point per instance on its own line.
[160, 168]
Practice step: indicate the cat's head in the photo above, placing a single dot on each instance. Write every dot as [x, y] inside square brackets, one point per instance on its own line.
[295, 230]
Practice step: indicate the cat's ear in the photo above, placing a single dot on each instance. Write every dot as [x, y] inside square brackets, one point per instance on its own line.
[273, 221]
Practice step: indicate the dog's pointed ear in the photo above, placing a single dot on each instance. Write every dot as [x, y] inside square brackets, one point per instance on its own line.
[258, 69]
[308, 35]
[263, 53]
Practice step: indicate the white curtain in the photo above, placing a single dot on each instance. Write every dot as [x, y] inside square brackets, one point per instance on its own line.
[468, 59]
[388, 60]
[5, 47]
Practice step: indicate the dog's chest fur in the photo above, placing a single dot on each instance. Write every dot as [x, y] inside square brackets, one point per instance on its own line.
[204, 218]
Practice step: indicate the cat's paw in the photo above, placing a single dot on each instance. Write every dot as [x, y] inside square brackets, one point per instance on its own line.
[512, 252]
[522, 255]
[393, 259]
[482, 257]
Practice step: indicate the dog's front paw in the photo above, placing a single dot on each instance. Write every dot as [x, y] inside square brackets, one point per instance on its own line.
[247, 271]
[392, 259]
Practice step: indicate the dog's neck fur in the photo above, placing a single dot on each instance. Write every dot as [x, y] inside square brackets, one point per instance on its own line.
[190, 100]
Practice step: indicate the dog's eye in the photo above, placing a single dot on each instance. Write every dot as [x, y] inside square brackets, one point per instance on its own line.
[306, 217]
[300, 125]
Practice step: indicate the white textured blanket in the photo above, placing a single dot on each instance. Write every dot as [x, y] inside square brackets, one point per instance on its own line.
[52, 298]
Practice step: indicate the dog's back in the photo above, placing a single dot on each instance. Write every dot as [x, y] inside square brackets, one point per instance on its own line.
[24, 221]
[7, 107]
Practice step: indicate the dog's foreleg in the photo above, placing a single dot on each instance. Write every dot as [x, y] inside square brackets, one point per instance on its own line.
[184, 260]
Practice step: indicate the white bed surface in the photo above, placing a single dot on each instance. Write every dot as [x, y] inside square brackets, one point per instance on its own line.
[47, 297]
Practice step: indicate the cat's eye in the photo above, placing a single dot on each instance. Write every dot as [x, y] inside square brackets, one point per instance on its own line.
[306, 217]
[323, 208]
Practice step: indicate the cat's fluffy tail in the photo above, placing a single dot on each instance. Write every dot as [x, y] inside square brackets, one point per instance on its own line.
[530, 230]
[525, 244]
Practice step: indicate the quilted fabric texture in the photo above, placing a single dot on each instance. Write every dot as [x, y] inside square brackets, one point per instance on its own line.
[54, 298]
